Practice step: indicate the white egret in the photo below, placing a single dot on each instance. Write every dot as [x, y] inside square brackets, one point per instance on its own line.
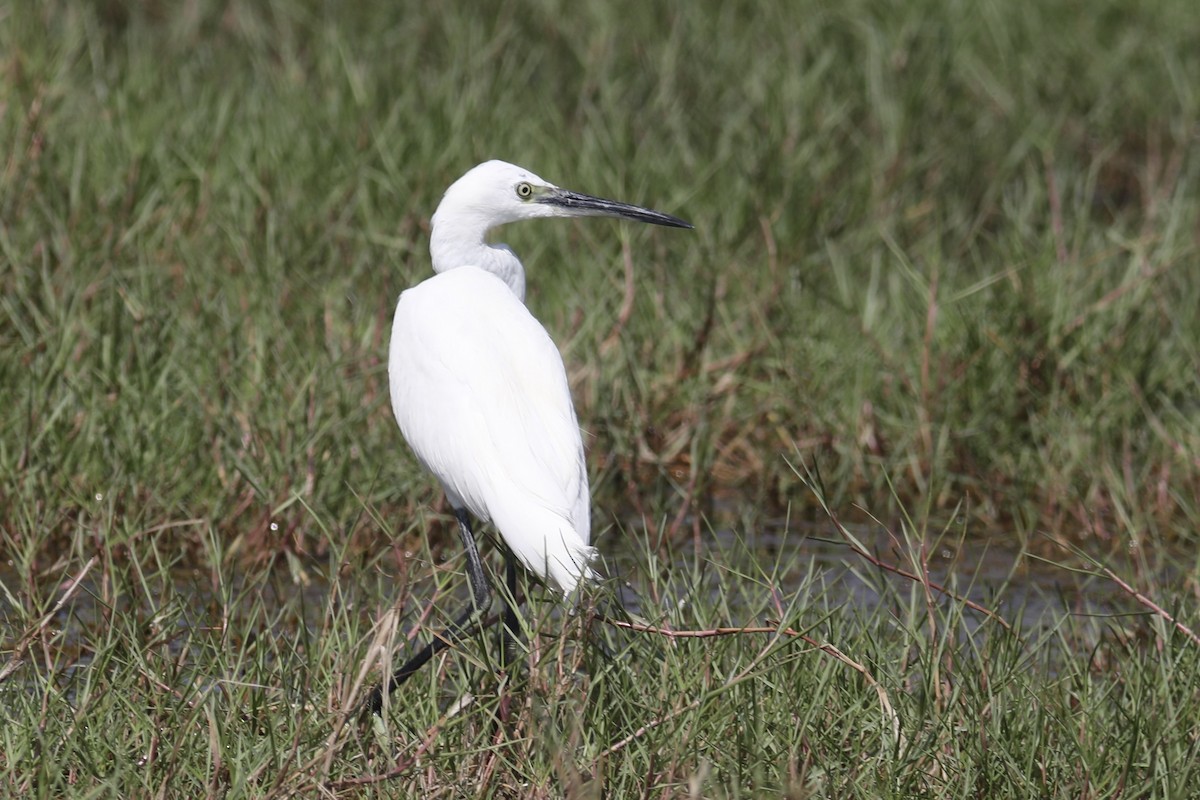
[480, 392]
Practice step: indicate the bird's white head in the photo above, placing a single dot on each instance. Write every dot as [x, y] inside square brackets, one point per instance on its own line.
[491, 194]
[495, 193]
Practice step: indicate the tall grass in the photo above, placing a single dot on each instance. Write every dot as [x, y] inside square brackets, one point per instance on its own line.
[944, 254]
[934, 243]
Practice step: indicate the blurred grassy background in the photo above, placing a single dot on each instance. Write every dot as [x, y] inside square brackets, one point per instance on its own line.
[945, 252]
[948, 245]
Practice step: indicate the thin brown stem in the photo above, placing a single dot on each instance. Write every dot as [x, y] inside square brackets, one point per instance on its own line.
[1150, 604]
[912, 576]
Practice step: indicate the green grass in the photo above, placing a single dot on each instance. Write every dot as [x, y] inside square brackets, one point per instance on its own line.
[945, 253]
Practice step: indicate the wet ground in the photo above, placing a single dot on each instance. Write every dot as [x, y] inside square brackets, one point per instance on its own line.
[774, 561]
[1030, 591]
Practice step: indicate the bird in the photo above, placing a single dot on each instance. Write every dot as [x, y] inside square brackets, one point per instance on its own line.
[480, 392]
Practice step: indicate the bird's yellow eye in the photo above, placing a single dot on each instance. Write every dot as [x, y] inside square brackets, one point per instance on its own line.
[524, 190]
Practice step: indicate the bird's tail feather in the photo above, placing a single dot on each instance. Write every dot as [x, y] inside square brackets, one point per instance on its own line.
[545, 541]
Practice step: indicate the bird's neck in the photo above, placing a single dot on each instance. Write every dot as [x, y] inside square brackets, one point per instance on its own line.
[449, 252]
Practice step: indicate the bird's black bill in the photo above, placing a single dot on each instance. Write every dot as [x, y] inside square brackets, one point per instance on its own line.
[585, 204]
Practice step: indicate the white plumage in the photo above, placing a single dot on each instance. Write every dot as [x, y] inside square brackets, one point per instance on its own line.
[481, 395]
[479, 388]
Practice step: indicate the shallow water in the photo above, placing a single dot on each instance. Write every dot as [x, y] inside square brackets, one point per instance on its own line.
[1029, 592]
[773, 562]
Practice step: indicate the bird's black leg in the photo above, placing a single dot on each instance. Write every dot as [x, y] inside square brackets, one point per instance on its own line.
[511, 631]
[464, 625]
[481, 590]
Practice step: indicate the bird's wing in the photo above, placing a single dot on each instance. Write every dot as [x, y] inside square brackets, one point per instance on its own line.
[481, 395]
